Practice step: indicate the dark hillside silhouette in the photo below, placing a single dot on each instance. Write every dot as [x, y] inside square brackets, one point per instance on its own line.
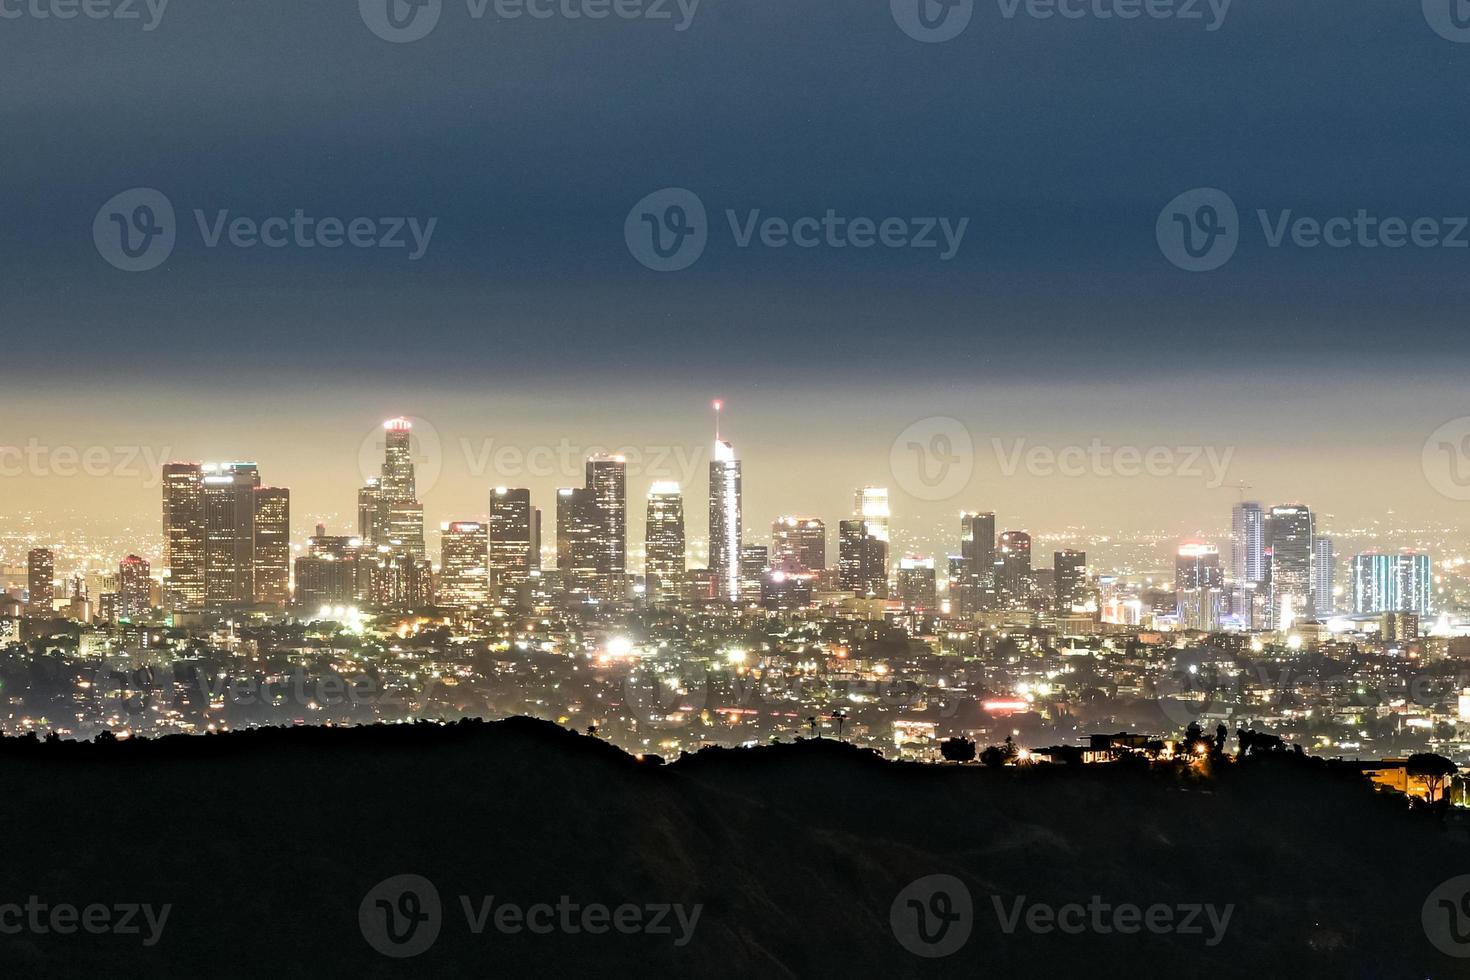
[265, 842]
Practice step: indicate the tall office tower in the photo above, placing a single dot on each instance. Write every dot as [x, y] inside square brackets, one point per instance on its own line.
[1069, 577]
[370, 523]
[41, 581]
[871, 504]
[725, 527]
[513, 542]
[577, 525]
[535, 539]
[1416, 583]
[961, 595]
[400, 481]
[400, 515]
[405, 528]
[977, 542]
[1324, 573]
[977, 547]
[607, 478]
[798, 544]
[1197, 566]
[862, 560]
[1247, 543]
[1392, 583]
[754, 560]
[183, 535]
[464, 575]
[916, 583]
[229, 534]
[331, 573]
[1202, 608]
[398, 580]
[134, 588]
[1013, 567]
[665, 560]
[273, 546]
[1291, 565]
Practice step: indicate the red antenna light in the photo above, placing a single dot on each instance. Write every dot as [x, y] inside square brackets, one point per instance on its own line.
[718, 405]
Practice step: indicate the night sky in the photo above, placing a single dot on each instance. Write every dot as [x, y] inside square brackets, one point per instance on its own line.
[527, 320]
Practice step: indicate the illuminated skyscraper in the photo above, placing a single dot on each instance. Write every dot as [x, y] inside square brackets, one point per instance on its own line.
[400, 514]
[134, 588]
[665, 556]
[607, 478]
[725, 521]
[331, 574]
[1069, 578]
[371, 523]
[974, 587]
[577, 524]
[1197, 566]
[799, 544]
[916, 582]
[862, 560]
[399, 481]
[871, 504]
[754, 560]
[183, 535]
[272, 546]
[1247, 543]
[1291, 565]
[1013, 566]
[41, 581]
[463, 573]
[513, 542]
[1324, 574]
[229, 534]
[1392, 583]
